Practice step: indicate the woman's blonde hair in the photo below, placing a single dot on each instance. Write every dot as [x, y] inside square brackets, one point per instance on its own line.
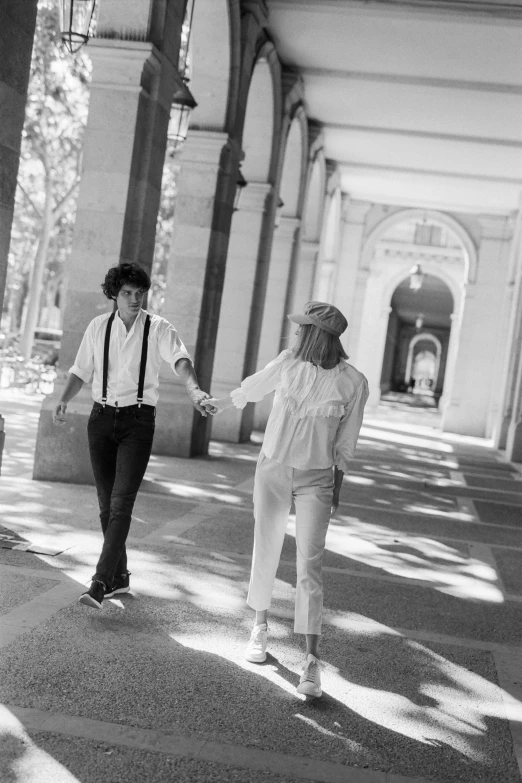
[318, 346]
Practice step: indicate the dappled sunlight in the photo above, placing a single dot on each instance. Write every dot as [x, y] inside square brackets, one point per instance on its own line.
[23, 761]
[390, 436]
[424, 696]
[445, 568]
[211, 641]
[195, 492]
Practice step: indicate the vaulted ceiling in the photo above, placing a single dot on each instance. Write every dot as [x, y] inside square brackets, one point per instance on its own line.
[421, 102]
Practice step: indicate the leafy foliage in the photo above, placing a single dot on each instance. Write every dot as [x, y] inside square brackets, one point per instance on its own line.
[50, 162]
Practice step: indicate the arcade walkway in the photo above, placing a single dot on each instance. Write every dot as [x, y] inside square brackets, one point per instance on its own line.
[422, 640]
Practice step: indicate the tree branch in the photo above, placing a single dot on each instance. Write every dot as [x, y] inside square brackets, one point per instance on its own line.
[60, 206]
[29, 199]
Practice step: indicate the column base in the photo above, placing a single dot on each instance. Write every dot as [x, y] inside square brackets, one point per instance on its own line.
[462, 422]
[181, 431]
[62, 453]
[514, 442]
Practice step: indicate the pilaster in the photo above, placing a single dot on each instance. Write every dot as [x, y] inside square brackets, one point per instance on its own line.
[124, 147]
[283, 249]
[351, 280]
[242, 304]
[482, 335]
[195, 282]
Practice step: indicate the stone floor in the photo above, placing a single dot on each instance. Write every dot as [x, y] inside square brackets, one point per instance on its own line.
[422, 639]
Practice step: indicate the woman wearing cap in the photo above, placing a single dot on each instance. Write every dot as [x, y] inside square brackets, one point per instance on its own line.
[313, 427]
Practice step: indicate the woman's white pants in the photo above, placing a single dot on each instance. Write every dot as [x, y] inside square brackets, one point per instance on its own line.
[275, 487]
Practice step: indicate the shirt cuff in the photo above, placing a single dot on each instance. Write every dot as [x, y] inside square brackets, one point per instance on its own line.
[342, 463]
[177, 356]
[239, 398]
[84, 376]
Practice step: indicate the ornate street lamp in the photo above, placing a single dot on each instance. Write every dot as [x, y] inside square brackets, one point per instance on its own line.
[182, 105]
[76, 18]
[416, 277]
[240, 184]
[183, 101]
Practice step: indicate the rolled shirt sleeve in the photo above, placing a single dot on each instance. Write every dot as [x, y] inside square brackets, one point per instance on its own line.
[257, 386]
[83, 366]
[349, 428]
[171, 347]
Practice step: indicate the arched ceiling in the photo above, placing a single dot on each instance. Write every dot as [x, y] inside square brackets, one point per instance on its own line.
[421, 102]
[433, 301]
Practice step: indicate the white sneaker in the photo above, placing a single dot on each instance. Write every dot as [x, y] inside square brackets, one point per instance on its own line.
[256, 648]
[310, 682]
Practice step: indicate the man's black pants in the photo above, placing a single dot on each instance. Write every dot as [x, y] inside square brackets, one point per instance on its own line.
[120, 442]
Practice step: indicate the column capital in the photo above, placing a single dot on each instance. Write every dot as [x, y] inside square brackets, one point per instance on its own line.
[310, 245]
[287, 227]
[118, 64]
[354, 211]
[203, 147]
[255, 196]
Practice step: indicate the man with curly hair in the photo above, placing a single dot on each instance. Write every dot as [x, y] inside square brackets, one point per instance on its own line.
[122, 353]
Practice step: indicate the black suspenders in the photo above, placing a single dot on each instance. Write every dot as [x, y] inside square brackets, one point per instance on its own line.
[143, 362]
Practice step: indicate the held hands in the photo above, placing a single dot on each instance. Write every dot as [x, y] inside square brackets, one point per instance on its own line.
[59, 414]
[202, 402]
[214, 405]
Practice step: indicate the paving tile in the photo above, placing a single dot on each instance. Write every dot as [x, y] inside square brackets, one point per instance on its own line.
[18, 589]
[499, 513]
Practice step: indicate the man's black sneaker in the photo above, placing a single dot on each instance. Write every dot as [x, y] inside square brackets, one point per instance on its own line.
[94, 596]
[120, 584]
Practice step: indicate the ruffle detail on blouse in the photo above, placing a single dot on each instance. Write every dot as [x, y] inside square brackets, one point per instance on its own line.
[319, 411]
[239, 398]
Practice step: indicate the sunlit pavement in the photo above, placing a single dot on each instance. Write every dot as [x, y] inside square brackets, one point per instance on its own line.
[422, 637]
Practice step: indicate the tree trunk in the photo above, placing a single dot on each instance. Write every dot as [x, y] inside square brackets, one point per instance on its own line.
[37, 276]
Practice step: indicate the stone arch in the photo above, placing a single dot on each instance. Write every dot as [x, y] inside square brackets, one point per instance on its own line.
[215, 69]
[429, 269]
[293, 176]
[314, 198]
[258, 130]
[261, 123]
[433, 216]
[329, 248]
[427, 337]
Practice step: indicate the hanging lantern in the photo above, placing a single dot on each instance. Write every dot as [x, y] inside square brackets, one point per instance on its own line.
[416, 277]
[419, 322]
[76, 18]
[182, 105]
[240, 184]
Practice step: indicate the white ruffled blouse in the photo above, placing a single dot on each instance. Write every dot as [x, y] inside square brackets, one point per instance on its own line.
[316, 415]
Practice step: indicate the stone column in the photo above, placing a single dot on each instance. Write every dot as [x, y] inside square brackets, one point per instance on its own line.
[274, 315]
[514, 431]
[17, 23]
[238, 308]
[302, 285]
[195, 280]
[482, 335]
[125, 139]
[354, 345]
[514, 342]
[350, 285]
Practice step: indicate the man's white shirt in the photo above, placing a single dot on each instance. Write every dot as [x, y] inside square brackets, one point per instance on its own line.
[125, 357]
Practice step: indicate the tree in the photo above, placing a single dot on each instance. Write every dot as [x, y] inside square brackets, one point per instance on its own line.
[50, 162]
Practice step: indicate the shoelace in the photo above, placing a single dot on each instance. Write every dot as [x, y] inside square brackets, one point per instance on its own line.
[309, 674]
[256, 636]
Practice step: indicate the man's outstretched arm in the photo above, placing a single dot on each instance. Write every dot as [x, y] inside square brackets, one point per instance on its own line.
[186, 372]
[72, 387]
